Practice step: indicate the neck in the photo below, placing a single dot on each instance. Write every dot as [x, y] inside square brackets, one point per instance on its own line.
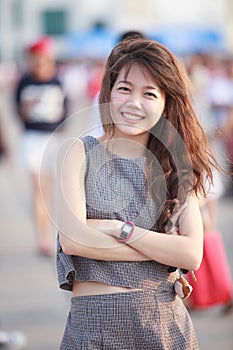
[125, 147]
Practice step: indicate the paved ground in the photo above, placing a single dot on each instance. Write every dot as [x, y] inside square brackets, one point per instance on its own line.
[30, 299]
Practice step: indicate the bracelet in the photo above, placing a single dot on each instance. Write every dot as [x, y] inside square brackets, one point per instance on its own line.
[127, 232]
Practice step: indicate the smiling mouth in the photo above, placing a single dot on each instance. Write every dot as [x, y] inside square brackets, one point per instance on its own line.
[132, 117]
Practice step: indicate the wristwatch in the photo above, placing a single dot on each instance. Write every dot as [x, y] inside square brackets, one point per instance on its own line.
[127, 231]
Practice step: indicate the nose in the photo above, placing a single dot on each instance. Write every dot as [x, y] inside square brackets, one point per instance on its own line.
[134, 100]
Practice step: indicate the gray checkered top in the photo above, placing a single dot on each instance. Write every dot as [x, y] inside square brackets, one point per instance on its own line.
[116, 188]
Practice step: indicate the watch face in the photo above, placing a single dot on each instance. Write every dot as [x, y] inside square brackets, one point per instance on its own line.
[127, 228]
[126, 231]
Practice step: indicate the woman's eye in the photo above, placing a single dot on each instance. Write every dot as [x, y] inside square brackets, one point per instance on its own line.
[123, 88]
[151, 94]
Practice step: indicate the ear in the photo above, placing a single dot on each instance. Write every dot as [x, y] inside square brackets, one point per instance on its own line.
[164, 113]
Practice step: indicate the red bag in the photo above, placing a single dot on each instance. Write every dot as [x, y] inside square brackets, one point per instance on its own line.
[214, 283]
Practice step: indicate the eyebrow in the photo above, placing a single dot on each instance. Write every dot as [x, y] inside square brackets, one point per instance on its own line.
[147, 86]
[154, 87]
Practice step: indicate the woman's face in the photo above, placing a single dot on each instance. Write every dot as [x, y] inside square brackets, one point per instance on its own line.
[42, 66]
[137, 103]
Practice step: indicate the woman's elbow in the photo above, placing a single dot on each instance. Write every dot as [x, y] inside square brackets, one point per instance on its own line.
[195, 260]
[66, 245]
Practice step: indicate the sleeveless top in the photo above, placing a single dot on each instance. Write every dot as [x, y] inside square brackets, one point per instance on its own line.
[116, 188]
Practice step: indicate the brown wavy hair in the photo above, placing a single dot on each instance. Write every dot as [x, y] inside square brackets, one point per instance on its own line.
[178, 141]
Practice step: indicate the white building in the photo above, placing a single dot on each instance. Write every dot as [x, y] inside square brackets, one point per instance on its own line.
[21, 21]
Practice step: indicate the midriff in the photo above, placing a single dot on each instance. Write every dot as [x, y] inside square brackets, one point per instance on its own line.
[96, 288]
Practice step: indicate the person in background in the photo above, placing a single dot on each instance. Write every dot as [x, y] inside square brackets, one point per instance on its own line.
[42, 106]
[209, 208]
[220, 97]
[213, 91]
[128, 208]
[226, 130]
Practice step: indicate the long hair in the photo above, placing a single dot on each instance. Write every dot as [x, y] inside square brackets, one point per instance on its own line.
[178, 141]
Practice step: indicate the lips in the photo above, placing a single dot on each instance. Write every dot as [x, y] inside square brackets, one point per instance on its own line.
[132, 118]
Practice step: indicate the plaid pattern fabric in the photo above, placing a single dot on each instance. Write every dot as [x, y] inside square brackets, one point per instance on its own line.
[116, 188]
[128, 321]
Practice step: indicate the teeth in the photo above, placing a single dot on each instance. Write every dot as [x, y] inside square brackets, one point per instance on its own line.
[132, 117]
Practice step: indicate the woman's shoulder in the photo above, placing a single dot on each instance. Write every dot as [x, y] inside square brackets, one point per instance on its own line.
[180, 212]
[89, 141]
[79, 142]
[72, 148]
[79, 146]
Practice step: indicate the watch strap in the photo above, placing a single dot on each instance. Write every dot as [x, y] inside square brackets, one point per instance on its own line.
[127, 232]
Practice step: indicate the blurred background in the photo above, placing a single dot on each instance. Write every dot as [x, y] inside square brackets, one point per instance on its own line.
[183, 26]
[200, 33]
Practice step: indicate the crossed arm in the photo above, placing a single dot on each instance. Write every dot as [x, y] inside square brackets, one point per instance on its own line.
[97, 238]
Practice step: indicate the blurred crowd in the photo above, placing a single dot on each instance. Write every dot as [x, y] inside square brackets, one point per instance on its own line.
[212, 78]
[211, 75]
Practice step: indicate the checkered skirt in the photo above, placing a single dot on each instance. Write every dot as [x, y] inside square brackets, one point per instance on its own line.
[137, 320]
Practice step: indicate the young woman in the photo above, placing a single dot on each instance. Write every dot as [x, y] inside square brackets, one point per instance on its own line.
[128, 212]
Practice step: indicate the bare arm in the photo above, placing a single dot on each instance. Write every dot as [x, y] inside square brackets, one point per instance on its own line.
[184, 250]
[76, 236]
